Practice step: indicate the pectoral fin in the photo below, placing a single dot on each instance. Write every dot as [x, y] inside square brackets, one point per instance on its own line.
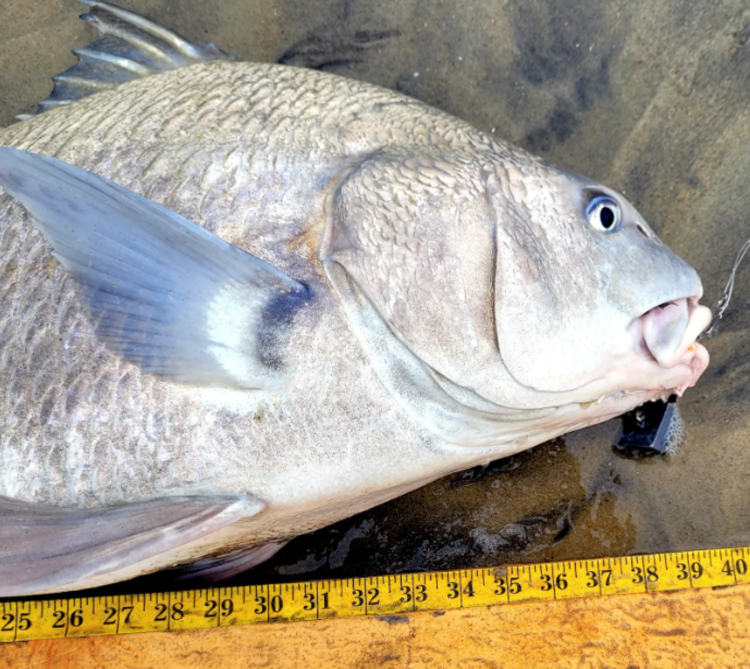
[164, 293]
[51, 549]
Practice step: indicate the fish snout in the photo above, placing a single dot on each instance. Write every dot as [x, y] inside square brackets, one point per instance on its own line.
[667, 334]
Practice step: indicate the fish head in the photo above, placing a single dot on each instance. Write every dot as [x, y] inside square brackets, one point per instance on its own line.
[507, 309]
[589, 302]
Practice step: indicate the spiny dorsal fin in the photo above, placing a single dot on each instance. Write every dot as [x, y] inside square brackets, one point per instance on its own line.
[129, 47]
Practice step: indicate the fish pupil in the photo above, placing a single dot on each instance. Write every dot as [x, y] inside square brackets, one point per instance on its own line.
[607, 217]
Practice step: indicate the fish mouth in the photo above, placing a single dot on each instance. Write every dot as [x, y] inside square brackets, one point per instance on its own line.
[666, 335]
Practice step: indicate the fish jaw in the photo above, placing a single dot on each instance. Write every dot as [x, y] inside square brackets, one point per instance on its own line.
[665, 350]
[661, 357]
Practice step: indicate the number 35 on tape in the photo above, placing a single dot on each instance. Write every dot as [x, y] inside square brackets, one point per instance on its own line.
[383, 595]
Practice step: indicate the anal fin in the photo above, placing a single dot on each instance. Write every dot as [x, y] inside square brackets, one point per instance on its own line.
[51, 549]
[222, 567]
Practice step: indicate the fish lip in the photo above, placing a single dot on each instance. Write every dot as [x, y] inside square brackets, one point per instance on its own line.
[697, 314]
[687, 359]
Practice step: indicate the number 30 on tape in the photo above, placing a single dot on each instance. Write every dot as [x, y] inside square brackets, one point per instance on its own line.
[25, 620]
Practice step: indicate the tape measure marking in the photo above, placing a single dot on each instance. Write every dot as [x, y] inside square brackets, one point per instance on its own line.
[24, 620]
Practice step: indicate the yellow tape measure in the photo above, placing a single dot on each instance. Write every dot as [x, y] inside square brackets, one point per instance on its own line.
[24, 620]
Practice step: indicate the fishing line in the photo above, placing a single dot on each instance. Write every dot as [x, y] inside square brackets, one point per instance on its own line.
[723, 303]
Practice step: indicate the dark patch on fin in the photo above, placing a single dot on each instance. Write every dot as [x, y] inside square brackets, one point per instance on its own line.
[276, 318]
[51, 549]
[164, 293]
[129, 47]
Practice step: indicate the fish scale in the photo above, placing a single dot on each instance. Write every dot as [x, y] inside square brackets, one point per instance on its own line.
[397, 296]
[120, 393]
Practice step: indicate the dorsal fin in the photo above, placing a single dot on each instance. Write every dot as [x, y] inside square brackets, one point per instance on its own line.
[129, 47]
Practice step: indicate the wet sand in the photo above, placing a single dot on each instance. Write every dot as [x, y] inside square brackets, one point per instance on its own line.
[653, 99]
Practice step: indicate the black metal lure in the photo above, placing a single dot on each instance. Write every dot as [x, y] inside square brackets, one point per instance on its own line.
[646, 429]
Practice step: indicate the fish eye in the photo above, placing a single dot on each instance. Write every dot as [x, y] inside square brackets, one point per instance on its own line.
[604, 214]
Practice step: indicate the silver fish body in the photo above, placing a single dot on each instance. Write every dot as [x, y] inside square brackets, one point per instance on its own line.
[459, 307]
